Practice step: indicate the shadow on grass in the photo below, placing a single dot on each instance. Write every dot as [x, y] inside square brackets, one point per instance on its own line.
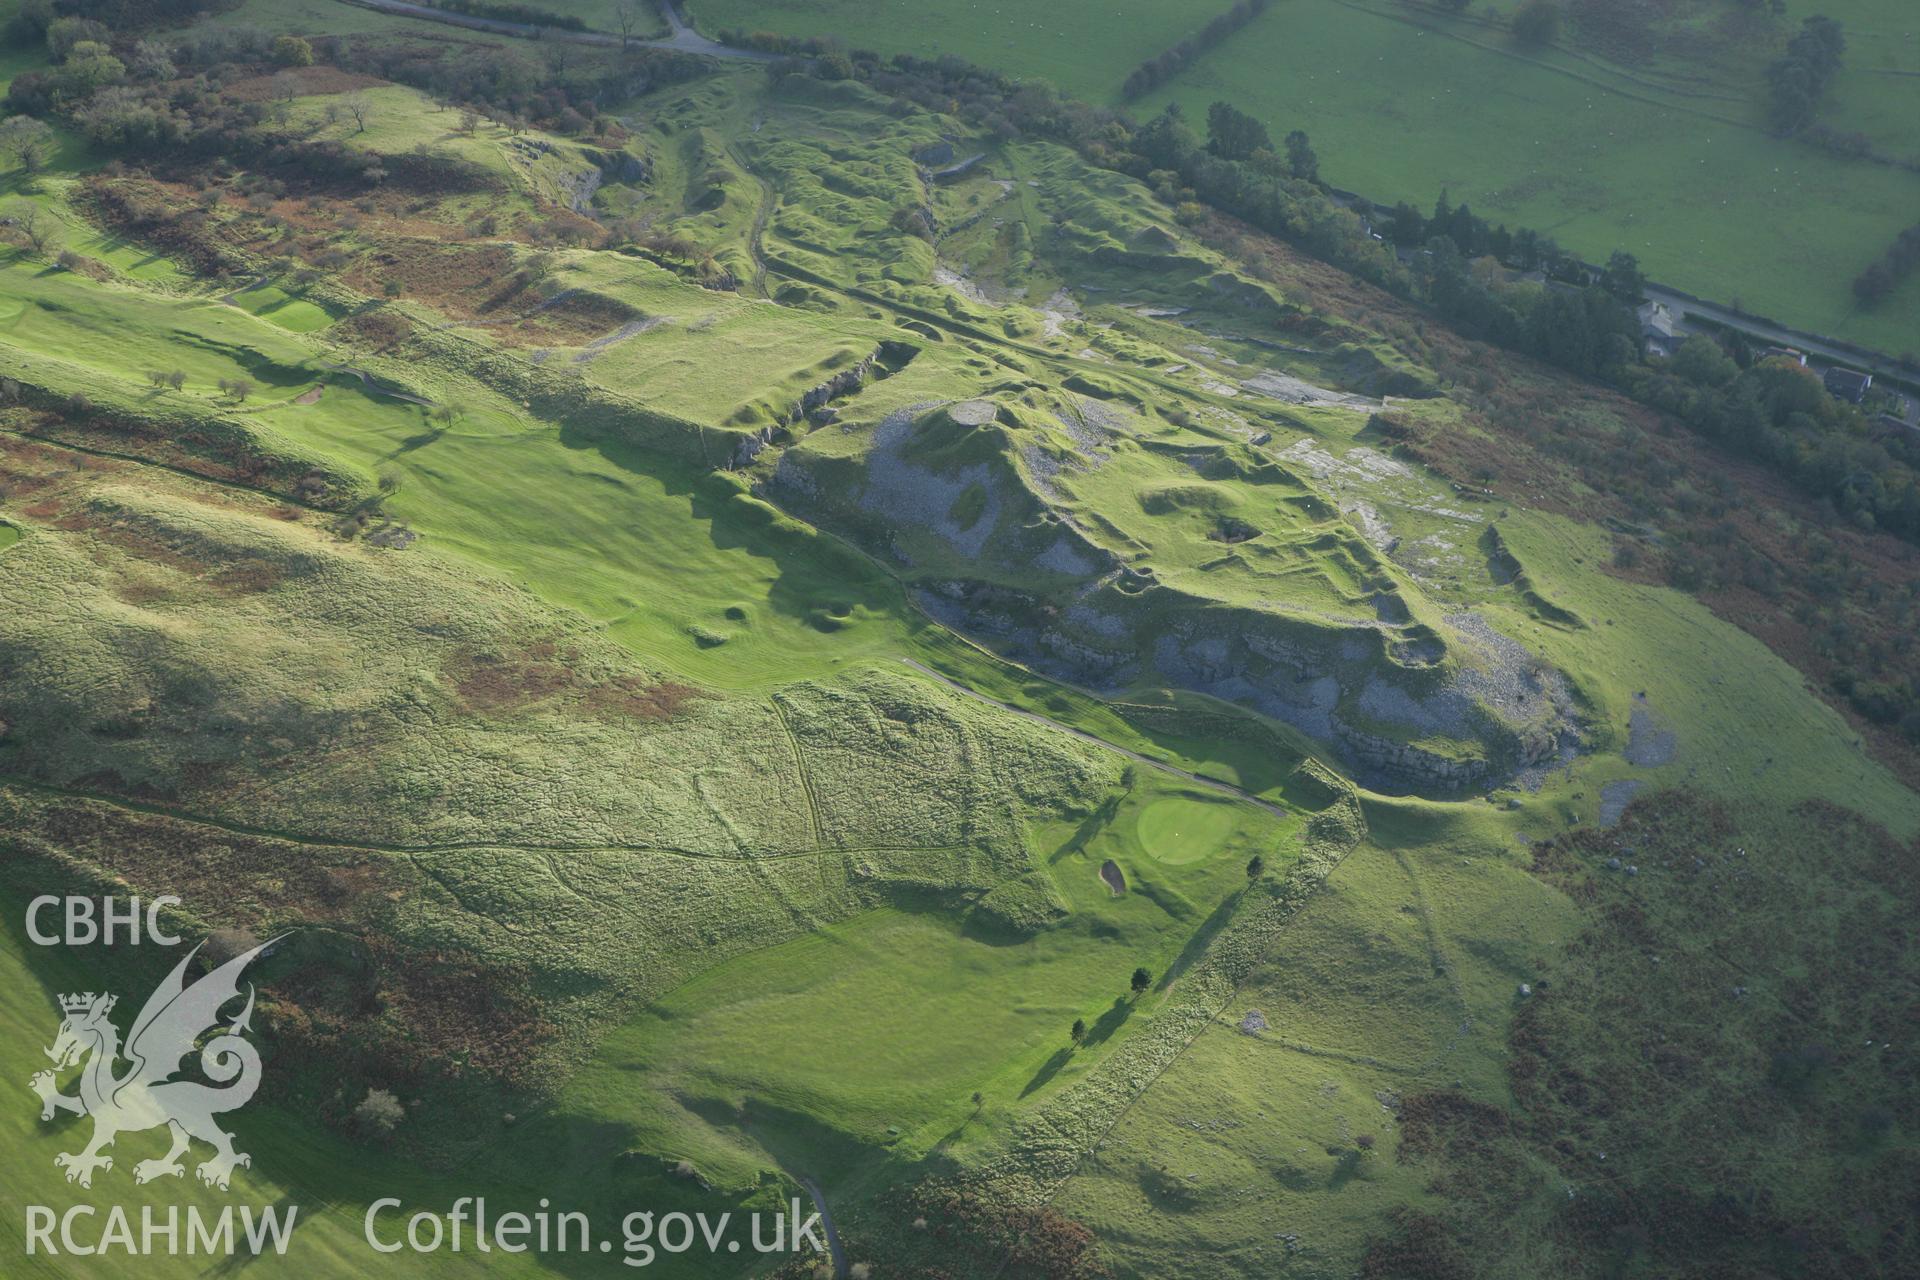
[1048, 1070]
[1109, 1022]
[1202, 939]
[1091, 826]
[1100, 1032]
[820, 581]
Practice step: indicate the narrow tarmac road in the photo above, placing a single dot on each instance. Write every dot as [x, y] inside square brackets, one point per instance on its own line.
[683, 38]
[826, 1220]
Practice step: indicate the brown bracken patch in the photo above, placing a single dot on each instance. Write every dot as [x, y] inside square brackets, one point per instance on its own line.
[634, 696]
[308, 82]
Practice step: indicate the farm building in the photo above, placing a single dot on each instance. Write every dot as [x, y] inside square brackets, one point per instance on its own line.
[1845, 384]
[1659, 329]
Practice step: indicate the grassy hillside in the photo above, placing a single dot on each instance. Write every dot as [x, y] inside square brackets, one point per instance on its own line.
[722, 648]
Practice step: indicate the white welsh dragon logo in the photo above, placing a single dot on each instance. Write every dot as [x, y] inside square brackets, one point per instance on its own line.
[169, 1027]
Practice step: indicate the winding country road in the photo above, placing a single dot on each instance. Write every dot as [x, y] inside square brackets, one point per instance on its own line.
[681, 38]
[834, 1249]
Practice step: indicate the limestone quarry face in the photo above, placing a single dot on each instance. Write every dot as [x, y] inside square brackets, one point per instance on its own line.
[962, 498]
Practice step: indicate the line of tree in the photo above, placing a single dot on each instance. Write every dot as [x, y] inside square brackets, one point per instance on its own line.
[1168, 63]
[1799, 79]
[561, 95]
[526, 15]
[1881, 278]
[34, 16]
[1775, 411]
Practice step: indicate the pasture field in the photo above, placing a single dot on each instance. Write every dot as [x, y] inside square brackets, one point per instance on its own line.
[1668, 161]
[1074, 44]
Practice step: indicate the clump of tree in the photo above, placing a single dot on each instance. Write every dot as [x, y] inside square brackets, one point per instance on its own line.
[1232, 134]
[1537, 23]
[1779, 413]
[913, 220]
[292, 51]
[1799, 79]
[1168, 63]
[1880, 279]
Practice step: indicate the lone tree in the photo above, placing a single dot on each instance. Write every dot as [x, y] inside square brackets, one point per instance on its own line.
[1255, 865]
[979, 1099]
[34, 226]
[1141, 981]
[359, 106]
[28, 141]
[379, 1112]
[1797, 82]
[1302, 163]
[1079, 1030]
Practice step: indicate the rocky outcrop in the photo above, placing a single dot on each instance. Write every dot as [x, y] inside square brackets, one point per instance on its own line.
[1477, 719]
[883, 360]
[1401, 766]
[960, 497]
